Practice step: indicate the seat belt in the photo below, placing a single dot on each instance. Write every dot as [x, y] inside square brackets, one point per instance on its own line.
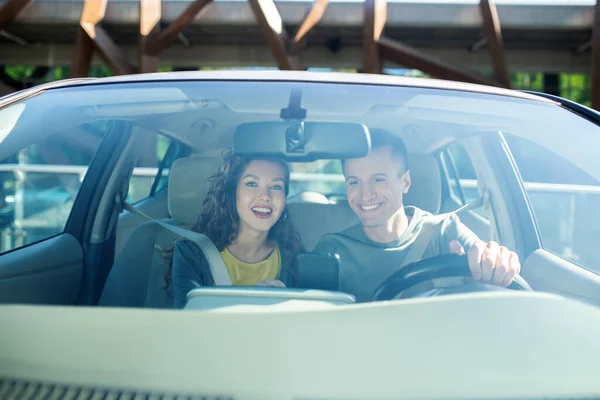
[215, 261]
[419, 246]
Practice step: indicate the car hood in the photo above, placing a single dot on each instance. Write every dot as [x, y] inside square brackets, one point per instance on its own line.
[482, 345]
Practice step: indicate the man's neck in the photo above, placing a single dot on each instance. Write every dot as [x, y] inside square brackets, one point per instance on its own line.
[391, 230]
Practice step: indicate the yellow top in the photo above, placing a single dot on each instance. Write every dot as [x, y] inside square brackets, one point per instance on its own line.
[244, 274]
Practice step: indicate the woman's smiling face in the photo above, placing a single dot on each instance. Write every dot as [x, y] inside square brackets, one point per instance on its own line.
[260, 195]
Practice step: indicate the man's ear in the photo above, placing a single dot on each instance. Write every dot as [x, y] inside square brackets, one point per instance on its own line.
[405, 179]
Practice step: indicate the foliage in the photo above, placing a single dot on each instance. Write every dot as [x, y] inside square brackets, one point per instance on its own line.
[576, 87]
[527, 81]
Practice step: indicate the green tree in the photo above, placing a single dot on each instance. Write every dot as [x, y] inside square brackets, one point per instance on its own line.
[576, 87]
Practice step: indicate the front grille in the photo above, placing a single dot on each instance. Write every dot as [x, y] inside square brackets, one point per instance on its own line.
[18, 389]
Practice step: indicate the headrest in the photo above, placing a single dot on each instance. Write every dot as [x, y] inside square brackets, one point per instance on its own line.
[313, 220]
[309, 197]
[188, 184]
[426, 183]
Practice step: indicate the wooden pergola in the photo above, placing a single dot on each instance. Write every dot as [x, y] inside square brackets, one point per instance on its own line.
[377, 48]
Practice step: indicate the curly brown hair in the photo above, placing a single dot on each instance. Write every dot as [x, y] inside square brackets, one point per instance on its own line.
[219, 219]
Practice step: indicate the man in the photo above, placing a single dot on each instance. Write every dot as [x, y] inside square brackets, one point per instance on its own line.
[374, 249]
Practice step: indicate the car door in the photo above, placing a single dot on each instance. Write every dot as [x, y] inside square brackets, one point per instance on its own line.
[50, 183]
[558, 179]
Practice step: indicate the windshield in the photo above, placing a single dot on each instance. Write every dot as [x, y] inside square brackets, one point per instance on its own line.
[535, 160]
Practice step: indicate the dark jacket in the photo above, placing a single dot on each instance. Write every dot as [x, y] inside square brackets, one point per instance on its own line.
[191, 270]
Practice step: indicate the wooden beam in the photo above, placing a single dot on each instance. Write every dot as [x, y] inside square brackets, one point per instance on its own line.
[412, 58]
[493, 33]
[375, 18]
[312, 18]
[82, 59]
[108, 50]
[91, 16]
[10, 10]
[156, 44]
[150, 15]
[596, 58]
[270, 23]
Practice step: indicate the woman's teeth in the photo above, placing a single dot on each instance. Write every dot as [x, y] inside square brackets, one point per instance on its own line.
[261, 210]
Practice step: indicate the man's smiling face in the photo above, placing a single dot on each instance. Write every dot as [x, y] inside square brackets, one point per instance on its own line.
[375, 185]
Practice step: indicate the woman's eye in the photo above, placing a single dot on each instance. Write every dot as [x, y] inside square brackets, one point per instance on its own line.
[277, 187]
[251, 184]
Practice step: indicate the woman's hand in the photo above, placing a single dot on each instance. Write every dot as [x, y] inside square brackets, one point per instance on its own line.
[271, 283]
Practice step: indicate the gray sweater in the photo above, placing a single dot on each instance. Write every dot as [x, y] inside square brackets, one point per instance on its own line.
[365, 264]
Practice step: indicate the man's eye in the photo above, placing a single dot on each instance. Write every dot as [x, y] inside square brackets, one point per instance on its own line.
[352, 183]
[380, 179]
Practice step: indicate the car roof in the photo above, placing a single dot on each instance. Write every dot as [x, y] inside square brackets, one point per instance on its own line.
[304, 76]
[180, 127]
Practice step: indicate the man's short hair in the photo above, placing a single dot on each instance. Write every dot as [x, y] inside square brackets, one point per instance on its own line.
[381, 138]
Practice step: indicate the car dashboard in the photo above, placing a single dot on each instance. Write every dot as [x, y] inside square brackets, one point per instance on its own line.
[227, 297]
[479, 345]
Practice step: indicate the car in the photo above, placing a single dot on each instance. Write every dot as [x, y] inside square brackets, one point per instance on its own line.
[85, 310]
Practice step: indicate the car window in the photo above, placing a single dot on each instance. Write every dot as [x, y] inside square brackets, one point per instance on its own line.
[462, 178]
[454, 187]
[40, 183]
[564, 200]
[324, 176]
[151, 173]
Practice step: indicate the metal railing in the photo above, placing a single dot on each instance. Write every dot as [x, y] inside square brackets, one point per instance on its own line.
[80, 170]
[19, 223]
[18, 170]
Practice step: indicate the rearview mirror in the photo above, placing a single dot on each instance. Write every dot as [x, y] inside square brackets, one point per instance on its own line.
[302, 141]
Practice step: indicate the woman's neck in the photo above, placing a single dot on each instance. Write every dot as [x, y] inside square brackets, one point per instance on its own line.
[251, 246]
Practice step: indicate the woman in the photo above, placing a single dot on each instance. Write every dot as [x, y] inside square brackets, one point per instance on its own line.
[244, 215]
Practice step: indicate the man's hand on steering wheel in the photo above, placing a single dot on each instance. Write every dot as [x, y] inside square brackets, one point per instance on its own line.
[489, 262]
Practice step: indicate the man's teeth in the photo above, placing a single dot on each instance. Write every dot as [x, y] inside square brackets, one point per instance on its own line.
[261, 210]
[371, 207]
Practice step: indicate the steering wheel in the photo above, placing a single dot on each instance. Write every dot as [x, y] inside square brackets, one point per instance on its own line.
[444, 266]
